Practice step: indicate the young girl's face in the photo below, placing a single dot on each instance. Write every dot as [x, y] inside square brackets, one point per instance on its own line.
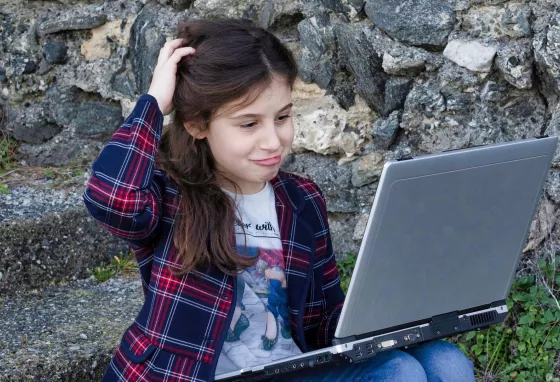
[250, 149]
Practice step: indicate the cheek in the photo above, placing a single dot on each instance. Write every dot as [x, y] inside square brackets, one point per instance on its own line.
[230, 152]
[287, 136]
[229, 146]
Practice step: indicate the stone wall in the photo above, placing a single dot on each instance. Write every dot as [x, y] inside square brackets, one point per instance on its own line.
[379, 79]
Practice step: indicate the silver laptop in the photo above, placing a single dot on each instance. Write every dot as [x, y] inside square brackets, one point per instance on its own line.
[439, 254]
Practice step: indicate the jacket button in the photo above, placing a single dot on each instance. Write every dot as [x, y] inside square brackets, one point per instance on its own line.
[226, 297]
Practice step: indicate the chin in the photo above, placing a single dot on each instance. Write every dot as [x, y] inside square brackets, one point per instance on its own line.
[265, 177]
[272, 172]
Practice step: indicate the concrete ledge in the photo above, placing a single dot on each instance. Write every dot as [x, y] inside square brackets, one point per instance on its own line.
[66, 333]
[48, 236]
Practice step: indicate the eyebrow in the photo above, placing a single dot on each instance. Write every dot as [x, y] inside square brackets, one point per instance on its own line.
[258, 115]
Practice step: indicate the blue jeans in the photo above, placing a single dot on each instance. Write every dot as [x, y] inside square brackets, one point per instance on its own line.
[431, 361]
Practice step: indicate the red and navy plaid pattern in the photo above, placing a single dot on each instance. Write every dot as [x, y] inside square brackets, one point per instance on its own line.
[179, 332]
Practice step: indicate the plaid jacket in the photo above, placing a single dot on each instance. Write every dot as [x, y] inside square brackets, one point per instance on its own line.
[179, 332]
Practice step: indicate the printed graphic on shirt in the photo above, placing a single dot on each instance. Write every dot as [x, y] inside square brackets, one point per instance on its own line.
[260, 329]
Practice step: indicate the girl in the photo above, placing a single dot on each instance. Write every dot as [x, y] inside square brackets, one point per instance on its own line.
[199, 200]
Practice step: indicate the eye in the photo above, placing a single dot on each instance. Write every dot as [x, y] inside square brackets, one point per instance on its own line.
[285, 117]
[282, 118]
[248, 126]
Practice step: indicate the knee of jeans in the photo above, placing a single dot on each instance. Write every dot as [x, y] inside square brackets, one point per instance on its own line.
[443, 361]
[405, 367]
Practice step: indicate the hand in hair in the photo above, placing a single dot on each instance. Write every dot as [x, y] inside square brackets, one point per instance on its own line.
[162, 86]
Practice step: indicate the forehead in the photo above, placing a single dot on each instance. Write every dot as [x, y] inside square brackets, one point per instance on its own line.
[259, 100]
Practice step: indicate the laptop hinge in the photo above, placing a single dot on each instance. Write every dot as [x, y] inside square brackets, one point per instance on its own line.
[498, 303]
[342, 341]
[445, 324]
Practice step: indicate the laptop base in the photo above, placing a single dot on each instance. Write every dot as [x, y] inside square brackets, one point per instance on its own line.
[360, 350]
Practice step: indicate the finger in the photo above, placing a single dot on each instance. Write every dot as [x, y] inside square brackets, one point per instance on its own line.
[167, 50]
[180, 53]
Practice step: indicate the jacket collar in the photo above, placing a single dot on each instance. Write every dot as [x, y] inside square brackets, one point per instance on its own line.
[298, 247]
[286, 193]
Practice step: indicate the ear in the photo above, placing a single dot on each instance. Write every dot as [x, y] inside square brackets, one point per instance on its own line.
[195, 131]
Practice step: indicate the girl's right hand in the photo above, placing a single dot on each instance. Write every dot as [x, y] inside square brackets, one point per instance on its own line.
[162, 86]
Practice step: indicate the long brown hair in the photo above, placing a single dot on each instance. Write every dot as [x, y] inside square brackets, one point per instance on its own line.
[234, 62]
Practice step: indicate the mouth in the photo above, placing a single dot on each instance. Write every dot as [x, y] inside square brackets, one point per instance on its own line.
[269, 161]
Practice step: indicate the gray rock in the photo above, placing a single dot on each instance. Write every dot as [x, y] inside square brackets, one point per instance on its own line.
[342, 89]
[455, 100]
[18, 42]
[358, 56]
[487, 2]
[452, 75]
[470, 54]
[317, 43]
[62, 104]
[97, 120]
[264, 13]
[360, 228]
[44, 67]
[384, 131]
[55, 52]
[460, 5]
[230, 8]
[65, 149]
[546, 47]
[3, 77]
[146, 40]
[421, 22]
[341, 227]
[425, 98]
[179, 5]
[367, 169]
[491, 112]
[542, 12]
[124, 83]
[553, 128]
[349, 8]
[85, 18]
[334, 180]
[402, 65]
[38, 132]
[515, 61]
[30, 67]
[407, 60]
[493, 91]
[396, 89]
[20, 62]
[28, 124]
[552, 185]
[511, 20]
[542, 224]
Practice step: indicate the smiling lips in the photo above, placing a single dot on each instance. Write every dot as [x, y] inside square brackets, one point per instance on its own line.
[269, 162]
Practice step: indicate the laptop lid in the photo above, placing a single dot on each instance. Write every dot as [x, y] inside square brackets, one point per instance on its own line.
[445, 233]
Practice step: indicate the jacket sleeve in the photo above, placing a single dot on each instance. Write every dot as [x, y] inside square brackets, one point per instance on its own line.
[334, 295]
[122, 193]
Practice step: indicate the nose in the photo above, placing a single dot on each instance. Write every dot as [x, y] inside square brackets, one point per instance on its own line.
[270, 141]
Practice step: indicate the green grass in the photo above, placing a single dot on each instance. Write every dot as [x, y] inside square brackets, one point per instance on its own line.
[7, 159]
[525, 346]
[122, 264]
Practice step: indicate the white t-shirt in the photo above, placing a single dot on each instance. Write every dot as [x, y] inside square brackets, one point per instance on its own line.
[261, 290]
